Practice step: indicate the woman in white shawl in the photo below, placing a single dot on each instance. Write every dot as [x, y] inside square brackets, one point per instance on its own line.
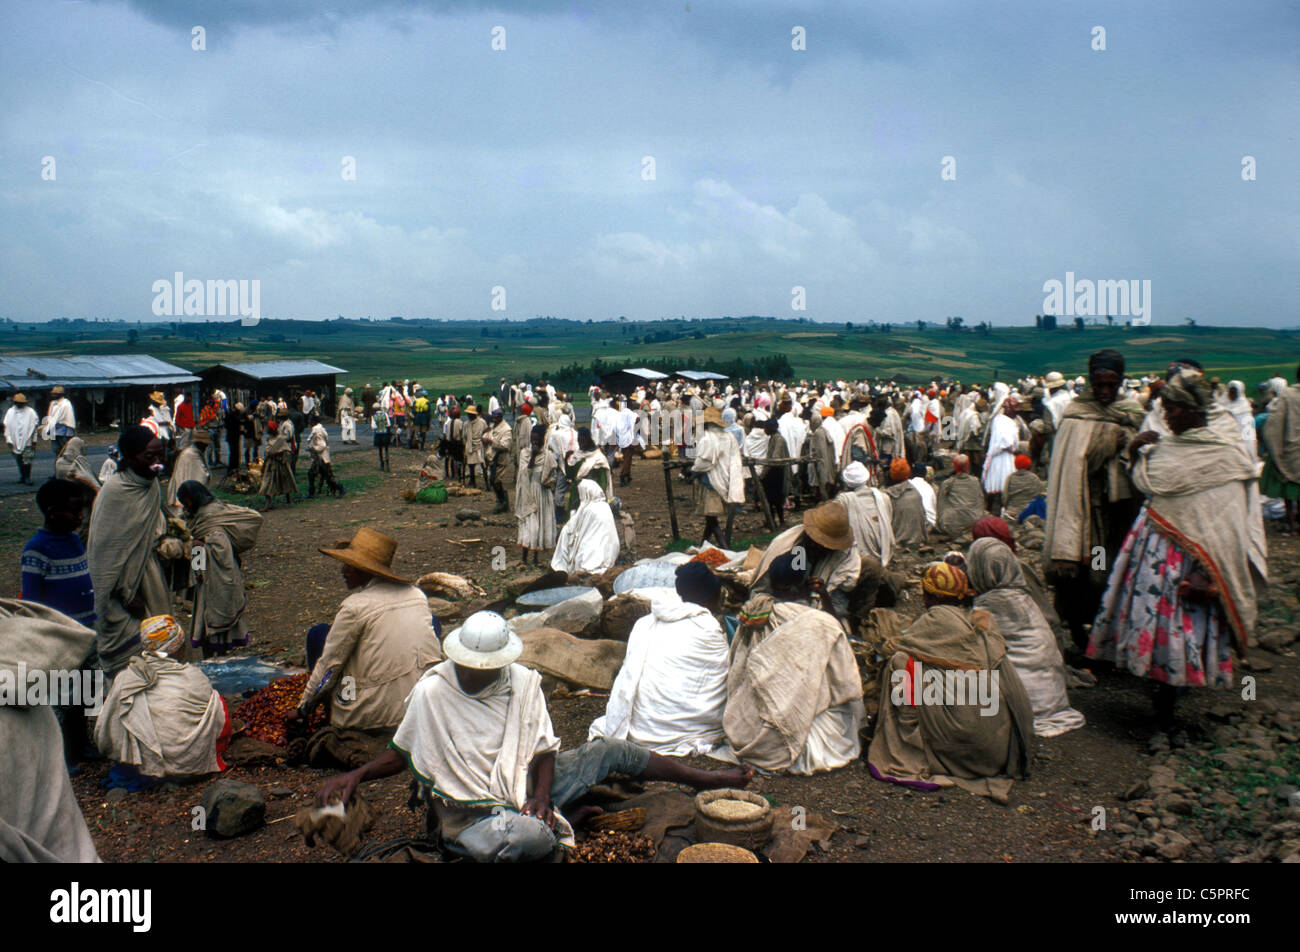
[1032, 649]
[589, 542]
[1000, 463]
[588, 463]
[1235, 403]
[535, 495]
[1181, 594]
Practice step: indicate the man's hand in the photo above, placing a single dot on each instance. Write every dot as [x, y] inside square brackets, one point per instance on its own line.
[343, 784]
[535, 806]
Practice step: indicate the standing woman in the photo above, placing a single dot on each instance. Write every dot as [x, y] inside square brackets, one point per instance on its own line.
[535, 496]
[1004, 437]
[1181, 595]
[277, 474]
[587, 463]
[775, 480]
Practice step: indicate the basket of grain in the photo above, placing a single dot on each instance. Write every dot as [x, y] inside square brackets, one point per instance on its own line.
[715, 853]
[738, 817]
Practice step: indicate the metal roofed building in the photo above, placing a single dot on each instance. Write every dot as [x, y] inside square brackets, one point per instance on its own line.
[629, 378]
[244, 380]
[699, 376]
[103, 388]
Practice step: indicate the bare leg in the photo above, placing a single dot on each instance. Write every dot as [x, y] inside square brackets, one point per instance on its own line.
[674, 771]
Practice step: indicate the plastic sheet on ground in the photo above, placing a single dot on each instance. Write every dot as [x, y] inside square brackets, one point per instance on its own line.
[237, 675]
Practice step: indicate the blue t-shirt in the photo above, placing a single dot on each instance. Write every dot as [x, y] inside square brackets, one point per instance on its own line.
[56, 574]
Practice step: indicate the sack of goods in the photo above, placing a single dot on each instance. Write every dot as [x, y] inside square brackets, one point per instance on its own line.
[436, 494]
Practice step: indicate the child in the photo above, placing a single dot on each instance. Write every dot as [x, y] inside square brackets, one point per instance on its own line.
[56, 574]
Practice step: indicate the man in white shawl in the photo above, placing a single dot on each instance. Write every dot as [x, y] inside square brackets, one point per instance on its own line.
[589, 541]
[478, 738]
[672, 688]
[40, 821]
[60, 420]
[1234, 402]
[717, 463]
[630, 441]
[162, 716]
[127, 529]
[20, 433]
[871, 514]
[1032, 649]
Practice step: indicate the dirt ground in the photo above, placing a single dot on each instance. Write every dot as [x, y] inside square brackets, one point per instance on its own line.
[294, 587]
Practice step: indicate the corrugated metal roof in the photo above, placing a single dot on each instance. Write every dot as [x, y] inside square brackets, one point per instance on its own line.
[89, 371]
[644, 372]
[701, 375]
[276, 369]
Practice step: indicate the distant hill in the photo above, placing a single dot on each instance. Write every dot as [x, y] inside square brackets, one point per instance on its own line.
[465, 356]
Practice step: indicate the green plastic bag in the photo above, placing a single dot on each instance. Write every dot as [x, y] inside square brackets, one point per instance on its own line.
[436, 494]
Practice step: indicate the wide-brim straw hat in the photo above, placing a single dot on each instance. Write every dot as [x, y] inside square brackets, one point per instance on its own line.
[828, 525]
[471, 410]
[57, 391]
[712, 415]
[369, 551]
[20, 399]
[157, 397]
[200, 435]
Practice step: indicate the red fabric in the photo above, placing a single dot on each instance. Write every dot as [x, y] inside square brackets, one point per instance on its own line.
[991, 527]
[223, 739]
[185, 416]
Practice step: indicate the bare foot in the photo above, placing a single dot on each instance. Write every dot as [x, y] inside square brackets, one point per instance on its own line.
[581, 815]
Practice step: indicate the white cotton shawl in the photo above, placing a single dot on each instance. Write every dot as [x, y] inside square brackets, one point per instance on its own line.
[671, 691]
[442, 720]
[589, 540]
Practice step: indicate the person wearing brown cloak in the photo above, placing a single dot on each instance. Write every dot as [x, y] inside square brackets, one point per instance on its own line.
[961, 500]
[909, 509]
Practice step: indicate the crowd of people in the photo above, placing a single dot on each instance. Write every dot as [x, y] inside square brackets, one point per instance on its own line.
[1150, 494]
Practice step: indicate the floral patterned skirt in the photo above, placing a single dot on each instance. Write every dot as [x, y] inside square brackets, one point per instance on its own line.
[1142, 624]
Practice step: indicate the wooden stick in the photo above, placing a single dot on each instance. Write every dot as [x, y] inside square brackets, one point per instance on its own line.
[672, 504]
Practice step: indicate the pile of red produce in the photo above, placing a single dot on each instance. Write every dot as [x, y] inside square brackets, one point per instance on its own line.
[263, 713]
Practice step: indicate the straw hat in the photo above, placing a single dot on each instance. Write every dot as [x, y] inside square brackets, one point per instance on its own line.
[471, 410]
[157, 397]
[1054, 380]
[56, 391]
[828, 525]
[20, 399]
[483, 642]
[712, 415]
[201, 435]
[369, 551]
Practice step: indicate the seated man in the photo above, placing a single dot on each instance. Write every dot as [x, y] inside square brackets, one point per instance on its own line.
[162, 716]
[670, 693]
[794, 695]
[824, 544]
[921, 480]
[381, 642]
[909, 520]
[478, 738]
[1023, 487]
[961, 500]
[952, 709]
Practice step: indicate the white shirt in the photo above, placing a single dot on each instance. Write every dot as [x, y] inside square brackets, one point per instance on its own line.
[926, 492]
[20, 427]
[60, 412]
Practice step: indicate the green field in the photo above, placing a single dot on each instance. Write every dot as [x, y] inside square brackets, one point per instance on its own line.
[466, 356]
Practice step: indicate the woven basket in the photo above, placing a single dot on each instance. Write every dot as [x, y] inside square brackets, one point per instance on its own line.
[748, 834]
[715, 853]
[628, 820]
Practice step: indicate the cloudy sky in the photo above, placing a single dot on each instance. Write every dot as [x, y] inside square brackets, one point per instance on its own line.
[525, 168]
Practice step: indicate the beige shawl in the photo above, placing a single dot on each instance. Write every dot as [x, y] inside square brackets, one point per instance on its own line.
[1282, 433]
[226, 532]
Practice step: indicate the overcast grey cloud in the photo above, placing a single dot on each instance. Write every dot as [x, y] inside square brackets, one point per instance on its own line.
[774, 167]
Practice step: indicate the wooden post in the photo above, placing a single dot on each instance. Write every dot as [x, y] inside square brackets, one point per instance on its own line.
[672, 504]
[762, 497]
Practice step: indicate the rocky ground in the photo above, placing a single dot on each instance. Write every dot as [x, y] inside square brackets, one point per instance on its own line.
[1104, 793]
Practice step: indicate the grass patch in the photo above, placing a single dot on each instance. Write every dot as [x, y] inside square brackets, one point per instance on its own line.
[1240, 783]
